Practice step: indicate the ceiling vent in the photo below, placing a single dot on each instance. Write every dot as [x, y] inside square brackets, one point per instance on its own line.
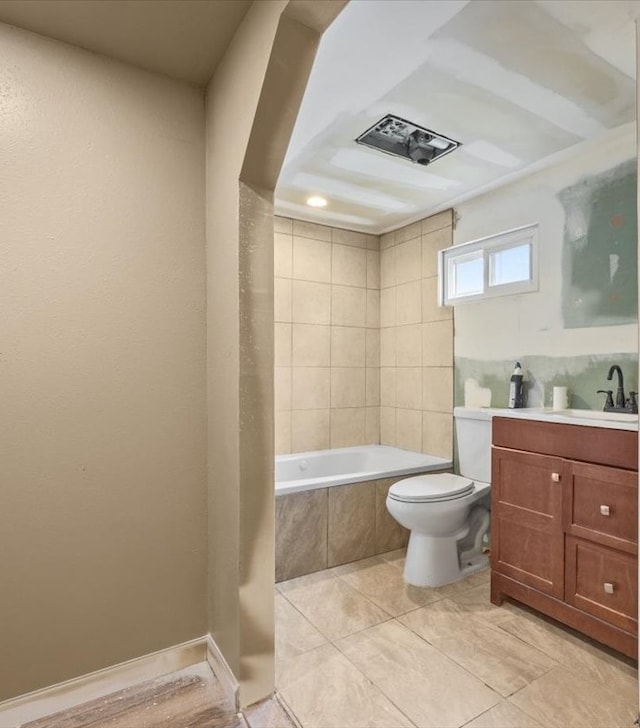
[405, 139]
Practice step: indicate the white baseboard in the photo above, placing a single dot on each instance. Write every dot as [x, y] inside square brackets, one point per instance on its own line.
[65, 695]
[223, 672]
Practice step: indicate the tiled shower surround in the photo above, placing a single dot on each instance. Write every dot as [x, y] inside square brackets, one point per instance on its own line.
[363, 354]
[327, 338]
[416, 339]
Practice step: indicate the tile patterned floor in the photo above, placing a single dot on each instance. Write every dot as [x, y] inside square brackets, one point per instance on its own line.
[356, 646]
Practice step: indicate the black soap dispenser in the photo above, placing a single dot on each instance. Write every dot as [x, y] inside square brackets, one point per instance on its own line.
[515, 387]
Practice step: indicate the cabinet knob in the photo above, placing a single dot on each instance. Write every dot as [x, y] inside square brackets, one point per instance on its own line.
[608, 587]
[605, 510]
[555, 477]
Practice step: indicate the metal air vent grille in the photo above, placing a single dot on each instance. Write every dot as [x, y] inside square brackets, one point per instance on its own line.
[407, 140]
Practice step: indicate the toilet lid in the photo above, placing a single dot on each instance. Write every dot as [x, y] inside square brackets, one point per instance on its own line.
[425, 488]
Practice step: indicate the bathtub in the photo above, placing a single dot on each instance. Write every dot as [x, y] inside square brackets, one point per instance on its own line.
[326, 468]
[330, 505]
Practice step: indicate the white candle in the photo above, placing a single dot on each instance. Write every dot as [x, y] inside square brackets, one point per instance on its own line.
[560, 398]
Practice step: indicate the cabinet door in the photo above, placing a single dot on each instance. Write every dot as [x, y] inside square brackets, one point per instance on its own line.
[527, 539]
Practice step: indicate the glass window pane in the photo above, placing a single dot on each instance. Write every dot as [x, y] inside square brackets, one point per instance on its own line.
[510, 265]
[466, 276]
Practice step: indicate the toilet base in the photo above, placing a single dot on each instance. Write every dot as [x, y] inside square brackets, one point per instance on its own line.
[437, 560]
[433, 561]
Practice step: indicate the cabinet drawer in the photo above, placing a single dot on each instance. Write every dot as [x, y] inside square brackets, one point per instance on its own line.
[603, 505]
[616, 448]
[602, 582]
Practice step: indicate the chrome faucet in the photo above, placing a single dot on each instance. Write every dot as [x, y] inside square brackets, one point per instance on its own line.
[622, 404]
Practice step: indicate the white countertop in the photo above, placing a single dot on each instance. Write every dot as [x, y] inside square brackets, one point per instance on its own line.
[587, 418]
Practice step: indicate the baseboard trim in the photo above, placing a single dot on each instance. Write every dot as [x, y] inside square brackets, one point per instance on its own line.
[285, 707]
[65, 695]
[223, 672]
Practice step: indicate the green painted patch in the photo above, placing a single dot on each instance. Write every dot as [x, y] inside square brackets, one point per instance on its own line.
[583, 375]
[599, 255]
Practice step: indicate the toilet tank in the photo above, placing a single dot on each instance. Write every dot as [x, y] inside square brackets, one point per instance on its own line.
[473, 439]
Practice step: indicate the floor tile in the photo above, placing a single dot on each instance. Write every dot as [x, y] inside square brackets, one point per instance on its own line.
[318, 577]
[463, 585]
[332, 606]
[436, 620]
[562, 699]
[324, 690]
[383, 584]
[397, 559]
[476, 601]
[553, 675]
[499, 659]
[576, 652]
[504, 715]
[428, 687]
[269, 713]
[294, 633]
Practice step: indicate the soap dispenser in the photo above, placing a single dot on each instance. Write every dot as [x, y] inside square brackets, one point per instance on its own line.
[515, 387]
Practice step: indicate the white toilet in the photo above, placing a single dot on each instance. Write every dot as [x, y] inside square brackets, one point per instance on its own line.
[448, 515]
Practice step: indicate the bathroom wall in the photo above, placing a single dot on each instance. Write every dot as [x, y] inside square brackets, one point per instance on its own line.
[252, 103]
[103, 533]
[564, 333]
[416, 339]
[327, 338]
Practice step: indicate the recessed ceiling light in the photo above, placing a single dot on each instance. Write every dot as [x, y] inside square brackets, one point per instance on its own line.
[316, 201]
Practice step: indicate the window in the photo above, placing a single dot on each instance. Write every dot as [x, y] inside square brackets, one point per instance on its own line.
[498, 265]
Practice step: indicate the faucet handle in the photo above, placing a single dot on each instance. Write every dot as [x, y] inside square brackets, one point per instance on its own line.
[632, 404]
[609, 402]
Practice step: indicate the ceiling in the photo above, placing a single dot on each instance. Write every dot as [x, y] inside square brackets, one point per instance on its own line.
[183, 39]
[514, 82]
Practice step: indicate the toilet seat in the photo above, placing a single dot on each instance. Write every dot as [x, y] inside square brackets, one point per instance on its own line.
[431, 488]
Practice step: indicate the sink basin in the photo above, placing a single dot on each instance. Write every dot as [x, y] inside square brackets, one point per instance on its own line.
[594, 415]
[593, 418]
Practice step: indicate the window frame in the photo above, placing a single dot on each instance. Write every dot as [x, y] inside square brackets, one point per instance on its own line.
[525, 235]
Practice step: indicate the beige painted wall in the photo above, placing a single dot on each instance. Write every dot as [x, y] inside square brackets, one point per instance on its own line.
[416, 340]
[104, 541]
[327, 337]
[102, 377]
[252, 102]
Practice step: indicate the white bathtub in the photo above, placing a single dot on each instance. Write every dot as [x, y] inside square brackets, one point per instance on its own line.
[325, 468]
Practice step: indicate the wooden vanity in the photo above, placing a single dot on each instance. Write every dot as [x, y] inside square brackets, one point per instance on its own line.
[564, 525]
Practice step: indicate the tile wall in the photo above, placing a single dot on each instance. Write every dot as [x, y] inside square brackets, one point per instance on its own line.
[416, 339]
[316, 529]
[327, 337]
[363, 353]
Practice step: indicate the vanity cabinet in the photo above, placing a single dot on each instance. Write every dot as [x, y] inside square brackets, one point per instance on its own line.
[564, 525]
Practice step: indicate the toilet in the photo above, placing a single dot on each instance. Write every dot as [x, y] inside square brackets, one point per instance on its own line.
[447, 514]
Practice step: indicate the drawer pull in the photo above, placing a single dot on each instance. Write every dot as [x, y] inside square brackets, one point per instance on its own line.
[605, 510]
[608, 587]
[555, 477]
